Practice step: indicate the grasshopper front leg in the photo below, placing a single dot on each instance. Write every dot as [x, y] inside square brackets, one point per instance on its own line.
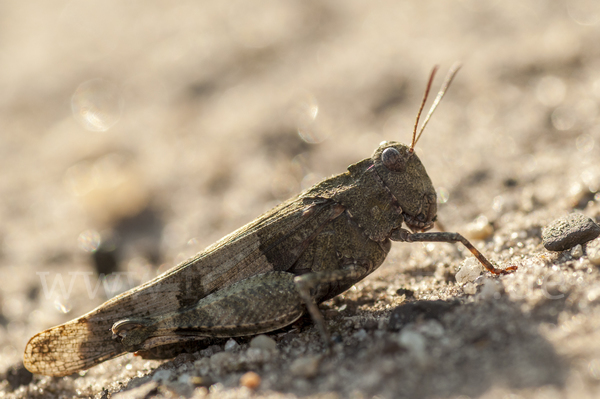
[406, 236]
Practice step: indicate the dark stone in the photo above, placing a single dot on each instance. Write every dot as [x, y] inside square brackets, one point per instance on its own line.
[568, 231]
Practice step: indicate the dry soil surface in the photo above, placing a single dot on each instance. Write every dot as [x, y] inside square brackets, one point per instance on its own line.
[135, 134]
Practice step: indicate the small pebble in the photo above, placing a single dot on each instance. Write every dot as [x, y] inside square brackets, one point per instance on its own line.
[491, 289]
[479, 229]
[201, 381]
[188, 379]
[250, 380]
[568, 231]
[179, 389]
[415, 343]
[360, 334]
[593, 252]
[431, 328]
[184, 379]
[306, 367]
[470, 270]
[577, 251]
[263, 342]
[231, 345]
[469, 289]
[410, 339]
[162, 376]
[202, 365]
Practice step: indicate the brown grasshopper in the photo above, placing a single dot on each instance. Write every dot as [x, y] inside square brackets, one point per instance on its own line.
[267, 274]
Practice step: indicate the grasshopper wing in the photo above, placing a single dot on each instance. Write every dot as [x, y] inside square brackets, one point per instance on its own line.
[273, 242]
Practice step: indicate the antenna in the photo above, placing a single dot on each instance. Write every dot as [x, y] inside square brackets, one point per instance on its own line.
[436, 102]
[414, 138]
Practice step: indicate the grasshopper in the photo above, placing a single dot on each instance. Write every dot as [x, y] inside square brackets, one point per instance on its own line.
[267, 274]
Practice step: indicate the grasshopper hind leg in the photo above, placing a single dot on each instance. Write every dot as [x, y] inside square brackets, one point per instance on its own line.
[256, 305]
[131, 332]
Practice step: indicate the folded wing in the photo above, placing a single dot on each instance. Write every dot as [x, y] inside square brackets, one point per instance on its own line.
[272, 242]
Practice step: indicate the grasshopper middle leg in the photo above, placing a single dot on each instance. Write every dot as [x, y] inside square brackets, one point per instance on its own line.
[310, 282]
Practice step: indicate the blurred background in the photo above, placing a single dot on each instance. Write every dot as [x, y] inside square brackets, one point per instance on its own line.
[134, 134]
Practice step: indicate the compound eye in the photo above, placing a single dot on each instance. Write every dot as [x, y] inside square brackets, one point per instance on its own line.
[392, 159]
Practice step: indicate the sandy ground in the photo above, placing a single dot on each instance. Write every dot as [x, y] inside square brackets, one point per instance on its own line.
[134, 134]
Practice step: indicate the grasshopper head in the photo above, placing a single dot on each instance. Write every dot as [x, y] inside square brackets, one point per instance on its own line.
[402, 172]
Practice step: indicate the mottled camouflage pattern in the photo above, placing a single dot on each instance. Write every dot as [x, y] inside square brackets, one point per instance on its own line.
[259, 278]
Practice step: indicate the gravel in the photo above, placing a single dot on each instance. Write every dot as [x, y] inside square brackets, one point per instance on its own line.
[306, 367]
[263, 342]
[470, 270]
[215, 112]
[593, 251]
